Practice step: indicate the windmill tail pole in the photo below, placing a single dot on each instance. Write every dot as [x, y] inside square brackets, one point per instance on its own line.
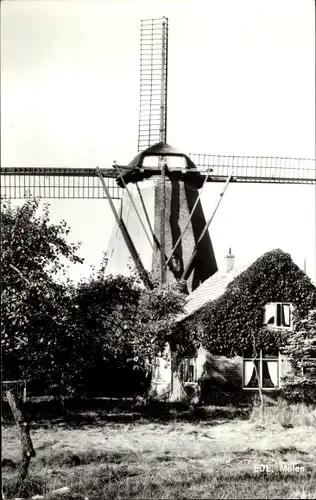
[183, 277]
[126, 236]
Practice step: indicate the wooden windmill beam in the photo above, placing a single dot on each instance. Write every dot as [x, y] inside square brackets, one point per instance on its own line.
[187, 267]
[147, 216]
[135, 208]
[154, 237]
[189, 219]
[163, 274]
[128, 240]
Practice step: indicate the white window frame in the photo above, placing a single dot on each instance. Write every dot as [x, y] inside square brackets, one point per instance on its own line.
[190, 361]
[274, 326]
[262, 358]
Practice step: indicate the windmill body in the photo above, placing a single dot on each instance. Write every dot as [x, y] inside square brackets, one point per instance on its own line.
[160, 227]
[146, 195]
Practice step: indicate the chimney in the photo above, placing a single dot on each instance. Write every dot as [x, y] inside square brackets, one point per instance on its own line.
[229, 261]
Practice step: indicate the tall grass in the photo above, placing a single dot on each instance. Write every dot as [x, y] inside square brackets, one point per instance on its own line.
[206, 458]
[285, 414]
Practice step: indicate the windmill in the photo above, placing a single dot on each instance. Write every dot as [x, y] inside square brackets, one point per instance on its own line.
[160, 225]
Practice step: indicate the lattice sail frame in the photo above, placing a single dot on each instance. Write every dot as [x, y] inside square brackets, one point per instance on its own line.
[152, 125]
[257, 169]
[57, 183]
[83, 183]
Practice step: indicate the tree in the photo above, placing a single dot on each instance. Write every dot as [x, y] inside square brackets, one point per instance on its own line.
[300, 384]
[35, 308]
[54, 331]
[127, 325]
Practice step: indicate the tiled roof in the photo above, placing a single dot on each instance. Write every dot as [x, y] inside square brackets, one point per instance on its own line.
[210, 290]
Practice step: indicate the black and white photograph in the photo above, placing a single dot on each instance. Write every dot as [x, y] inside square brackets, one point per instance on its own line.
[158, 249]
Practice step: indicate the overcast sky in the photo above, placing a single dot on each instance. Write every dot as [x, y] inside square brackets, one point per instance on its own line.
[241, 82]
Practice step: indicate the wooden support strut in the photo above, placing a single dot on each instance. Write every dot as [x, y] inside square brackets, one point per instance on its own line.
[146, 215]
[183, 277]
[135, 208]
[189, 219]
[155, 239]
[127, 238]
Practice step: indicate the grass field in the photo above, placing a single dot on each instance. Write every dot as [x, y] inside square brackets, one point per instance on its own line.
[176, 459]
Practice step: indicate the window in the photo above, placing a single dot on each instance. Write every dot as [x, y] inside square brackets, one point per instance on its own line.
[263, 372]
[188, 372]
[278, 315]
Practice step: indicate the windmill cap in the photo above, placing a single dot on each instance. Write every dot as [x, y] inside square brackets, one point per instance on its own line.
[159, 149]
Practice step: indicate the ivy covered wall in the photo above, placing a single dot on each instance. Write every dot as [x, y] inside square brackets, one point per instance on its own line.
[229, 325]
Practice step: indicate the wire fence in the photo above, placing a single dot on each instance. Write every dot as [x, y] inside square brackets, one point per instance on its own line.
[18, 386]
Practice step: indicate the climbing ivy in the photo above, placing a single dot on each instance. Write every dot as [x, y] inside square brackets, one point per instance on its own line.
[299, 385]
[230, 324]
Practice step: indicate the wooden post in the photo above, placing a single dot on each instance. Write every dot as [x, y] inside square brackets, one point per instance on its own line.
[258, 375]
[26, 442]
[24, 392]
[183, 277]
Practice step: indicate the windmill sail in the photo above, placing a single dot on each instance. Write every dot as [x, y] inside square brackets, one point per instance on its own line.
[60, 182]
[152, 126]
[257, 169]
[57, 183]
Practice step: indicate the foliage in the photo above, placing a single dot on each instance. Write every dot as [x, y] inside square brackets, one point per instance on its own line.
[36, 309]
[300, 384]
[226, 326]
[125, 321]
[106, 307]
[62, 334]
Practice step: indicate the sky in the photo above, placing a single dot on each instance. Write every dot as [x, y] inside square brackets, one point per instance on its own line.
[241, 82]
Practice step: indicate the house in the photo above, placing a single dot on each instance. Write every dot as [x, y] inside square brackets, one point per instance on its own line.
[235, 316]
